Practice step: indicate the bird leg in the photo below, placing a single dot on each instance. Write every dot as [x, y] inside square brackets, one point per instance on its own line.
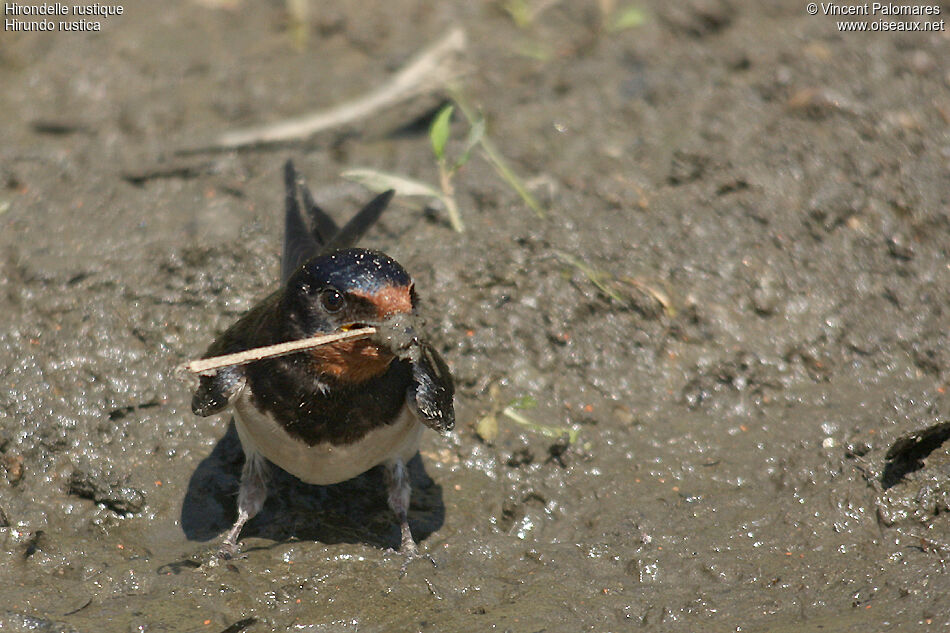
[398, 489]
[251, 498]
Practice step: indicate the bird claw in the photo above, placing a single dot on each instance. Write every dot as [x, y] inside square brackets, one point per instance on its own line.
[228, 550]
[409, 554]
[404, 568]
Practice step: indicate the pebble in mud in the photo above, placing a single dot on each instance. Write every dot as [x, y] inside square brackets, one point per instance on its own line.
[18, 622]
[13, 466]
[914, 478]
[105, 489]
[768, 291]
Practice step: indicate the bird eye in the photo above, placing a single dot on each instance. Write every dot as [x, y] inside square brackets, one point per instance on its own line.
[332, 300]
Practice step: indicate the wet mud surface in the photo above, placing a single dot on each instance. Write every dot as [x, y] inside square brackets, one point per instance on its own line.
[758, 387]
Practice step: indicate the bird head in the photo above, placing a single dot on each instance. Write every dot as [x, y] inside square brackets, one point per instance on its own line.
[342, 291]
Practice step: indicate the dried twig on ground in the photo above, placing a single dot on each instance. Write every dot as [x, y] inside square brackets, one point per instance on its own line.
[428, 72]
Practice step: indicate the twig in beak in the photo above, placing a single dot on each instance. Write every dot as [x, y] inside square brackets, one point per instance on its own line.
[207, 366]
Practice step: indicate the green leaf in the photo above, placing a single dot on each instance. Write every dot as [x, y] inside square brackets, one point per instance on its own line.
[475, 134]
[526, 402]
[439, 132]
[520, 12]
[628, 18]
[546, 430]
[537, 50]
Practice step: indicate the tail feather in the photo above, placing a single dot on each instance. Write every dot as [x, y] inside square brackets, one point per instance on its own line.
[319, 234]
[353, 230]
[324, 228]
[299, 243]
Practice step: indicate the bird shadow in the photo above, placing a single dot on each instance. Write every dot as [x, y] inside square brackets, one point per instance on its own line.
[353, 511]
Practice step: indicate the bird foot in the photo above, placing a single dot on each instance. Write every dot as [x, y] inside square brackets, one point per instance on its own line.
[411, 553]
[229, 549]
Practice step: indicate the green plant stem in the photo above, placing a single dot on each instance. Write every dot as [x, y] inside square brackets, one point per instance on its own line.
[448, 197]
[493, 156]
[596, 277]
[501, 166]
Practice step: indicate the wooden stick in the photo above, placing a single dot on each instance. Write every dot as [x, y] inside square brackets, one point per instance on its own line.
[427, 72]
[207, 366]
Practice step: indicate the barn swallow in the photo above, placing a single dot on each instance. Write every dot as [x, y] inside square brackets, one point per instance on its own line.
[330, 413]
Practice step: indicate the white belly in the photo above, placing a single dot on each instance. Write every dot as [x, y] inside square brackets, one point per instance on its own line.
[324, 463]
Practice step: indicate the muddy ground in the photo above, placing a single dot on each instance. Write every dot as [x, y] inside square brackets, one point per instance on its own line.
[765, 199]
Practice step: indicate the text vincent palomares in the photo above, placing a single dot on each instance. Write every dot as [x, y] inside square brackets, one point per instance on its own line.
[877, 8]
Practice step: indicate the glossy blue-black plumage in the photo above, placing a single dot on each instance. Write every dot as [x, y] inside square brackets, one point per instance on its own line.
[351, 270]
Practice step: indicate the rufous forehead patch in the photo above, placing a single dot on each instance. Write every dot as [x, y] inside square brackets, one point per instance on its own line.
[389, 300]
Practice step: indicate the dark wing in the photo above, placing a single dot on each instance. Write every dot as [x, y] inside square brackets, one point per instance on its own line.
[323, 235]
[215, 392]
[353, 230]
[432, 391]
[323, 225]
[300, 242]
